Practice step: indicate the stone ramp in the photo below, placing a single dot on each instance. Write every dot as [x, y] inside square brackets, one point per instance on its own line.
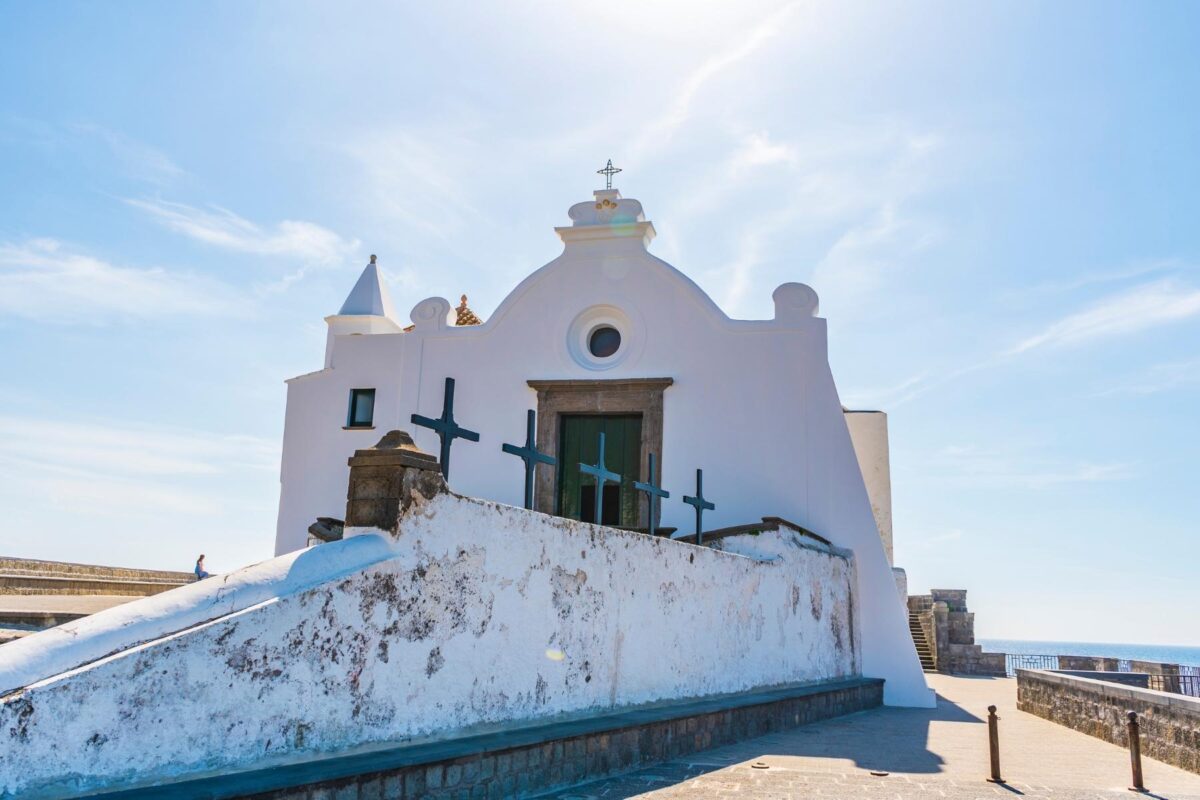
[34, 612]
[36, 595]
[938, 752]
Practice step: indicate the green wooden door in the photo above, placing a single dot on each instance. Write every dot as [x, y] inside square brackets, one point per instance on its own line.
[578, 442]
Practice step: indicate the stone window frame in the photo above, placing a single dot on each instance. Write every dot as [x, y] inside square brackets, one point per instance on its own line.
[556, 398]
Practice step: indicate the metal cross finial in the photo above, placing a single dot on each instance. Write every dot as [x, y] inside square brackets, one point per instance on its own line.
[700, 505]
[654, 494]
[529, 454]
[447, 429]
[603, 476]
[608, 171]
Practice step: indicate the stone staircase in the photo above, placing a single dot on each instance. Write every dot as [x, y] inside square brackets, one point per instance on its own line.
[923, 650]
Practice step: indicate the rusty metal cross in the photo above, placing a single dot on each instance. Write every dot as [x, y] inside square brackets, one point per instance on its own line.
[446, 428]
[529, 454]
[700, 504]
[603, 476]
[654, 495]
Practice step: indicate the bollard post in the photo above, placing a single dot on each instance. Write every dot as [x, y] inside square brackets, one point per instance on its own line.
[994, 744]
[1135, 753]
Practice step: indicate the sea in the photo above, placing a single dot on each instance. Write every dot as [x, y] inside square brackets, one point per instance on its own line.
[1164, 653]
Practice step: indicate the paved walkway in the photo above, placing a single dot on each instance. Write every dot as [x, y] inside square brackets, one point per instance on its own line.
[938, 752]
[62, 603]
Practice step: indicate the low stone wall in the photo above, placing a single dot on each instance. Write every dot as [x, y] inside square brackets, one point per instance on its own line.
[1170, 723]
[25, 576]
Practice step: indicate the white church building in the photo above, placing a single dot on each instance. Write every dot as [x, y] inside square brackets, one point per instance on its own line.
[607, 338]
[546, 614]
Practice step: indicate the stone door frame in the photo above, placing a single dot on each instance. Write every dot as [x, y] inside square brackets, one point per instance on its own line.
[556, 398]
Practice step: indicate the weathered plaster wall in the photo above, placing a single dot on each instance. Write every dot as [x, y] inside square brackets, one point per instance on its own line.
[481, 614]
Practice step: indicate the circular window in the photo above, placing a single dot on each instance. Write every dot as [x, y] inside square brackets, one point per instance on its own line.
[602, 337]
[604, 341]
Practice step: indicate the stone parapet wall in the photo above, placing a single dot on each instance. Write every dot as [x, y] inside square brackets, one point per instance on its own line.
[1170, 723]
[27, 576]
[955, 599]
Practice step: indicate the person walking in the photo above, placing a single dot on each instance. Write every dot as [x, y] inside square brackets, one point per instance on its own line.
[201, 573]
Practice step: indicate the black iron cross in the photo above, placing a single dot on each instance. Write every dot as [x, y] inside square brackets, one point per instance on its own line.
[603, 476]
[700, 504]
[447, 429]
[608, 171]
[529, 454]
[654, 494]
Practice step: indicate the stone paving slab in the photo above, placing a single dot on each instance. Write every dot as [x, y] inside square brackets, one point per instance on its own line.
[934, 753]
[62, 603]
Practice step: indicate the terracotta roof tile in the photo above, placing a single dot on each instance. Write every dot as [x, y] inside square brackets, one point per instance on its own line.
[462, 316]
[465, 315]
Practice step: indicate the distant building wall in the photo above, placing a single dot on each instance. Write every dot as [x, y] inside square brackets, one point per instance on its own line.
[869, 435]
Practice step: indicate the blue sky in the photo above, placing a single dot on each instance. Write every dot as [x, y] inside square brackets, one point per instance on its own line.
[996, 203]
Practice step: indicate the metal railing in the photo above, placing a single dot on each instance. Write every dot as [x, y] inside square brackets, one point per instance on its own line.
[1178, 679]
[1177, 683]
[1016, 661]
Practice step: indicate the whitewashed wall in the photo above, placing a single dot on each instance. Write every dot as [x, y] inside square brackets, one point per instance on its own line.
[481, 614]
[869, 434]
[753, 403]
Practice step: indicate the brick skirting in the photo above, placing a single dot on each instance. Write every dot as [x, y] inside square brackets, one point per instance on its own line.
[522, 761]
[1170, 723]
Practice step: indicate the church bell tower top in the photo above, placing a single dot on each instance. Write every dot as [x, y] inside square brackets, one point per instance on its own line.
[607, 216]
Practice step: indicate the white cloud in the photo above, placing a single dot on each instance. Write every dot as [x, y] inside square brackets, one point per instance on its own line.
[659, 132]
[220, 227]
[1158, 378]
[860, 261]
[139, 159]
[1140, 308]
[1010, 468]
[118, 469]
[45, 280]
[757, 150]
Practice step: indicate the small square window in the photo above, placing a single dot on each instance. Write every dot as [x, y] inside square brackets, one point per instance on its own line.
[362, 408]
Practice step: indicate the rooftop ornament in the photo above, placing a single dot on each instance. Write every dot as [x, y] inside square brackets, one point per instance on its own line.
[603, 476]
[654, 495]
[608, 172]
[447, 429]
[700, 504]
[529, 453]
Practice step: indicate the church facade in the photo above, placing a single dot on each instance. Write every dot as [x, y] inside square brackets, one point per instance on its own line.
[608, 339]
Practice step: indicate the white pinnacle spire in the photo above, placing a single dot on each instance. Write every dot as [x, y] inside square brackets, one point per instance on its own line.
[369, 297]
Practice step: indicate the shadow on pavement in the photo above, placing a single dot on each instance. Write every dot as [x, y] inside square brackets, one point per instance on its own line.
[880, 740]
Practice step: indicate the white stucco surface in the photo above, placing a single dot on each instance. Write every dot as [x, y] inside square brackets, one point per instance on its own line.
[869, 435]
[479, 613]
[753, 403]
